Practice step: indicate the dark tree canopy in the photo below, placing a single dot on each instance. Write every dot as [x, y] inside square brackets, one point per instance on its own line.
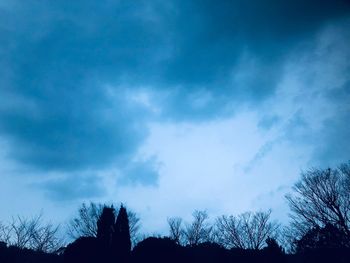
[121, 235]
[105, 226]
[85, 223]
[84, 249]
[327, 237]
[273, 247]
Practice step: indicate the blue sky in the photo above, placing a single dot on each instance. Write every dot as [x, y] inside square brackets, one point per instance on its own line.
[169, 106]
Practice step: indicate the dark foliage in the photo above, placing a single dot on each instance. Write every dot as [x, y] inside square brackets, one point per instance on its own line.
[159, 250]
[328, 237]
[112, 242]
[207, 252]
[330, 255]
[121, 243]
[84, 249]
[152, 249]
[84, 224]
[105, 226]
[273, 252]
[20, 255]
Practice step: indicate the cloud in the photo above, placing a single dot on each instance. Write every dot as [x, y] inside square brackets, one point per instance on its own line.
[144, 173]
[69, 72]
[336, 146]
[211, 39]
[70, 132]
[312, 98]
[57, 66]
[267, 122]
[72, 187]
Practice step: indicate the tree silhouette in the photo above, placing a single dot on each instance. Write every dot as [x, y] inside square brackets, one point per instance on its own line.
[320, 205]
[246, 231]
[121, 236]
[199, 231]
[176, 231]
[158, 250]
[273, 252]
[321, 197]
[273, 247]
[105, 226]
[194, 233]
[31, 233]
[327, 237]
[84, 249]
[85, 223]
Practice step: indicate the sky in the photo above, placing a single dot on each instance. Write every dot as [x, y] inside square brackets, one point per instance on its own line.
[169, 106]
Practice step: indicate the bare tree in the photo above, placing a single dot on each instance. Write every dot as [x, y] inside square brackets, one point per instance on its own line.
[5, 233]
[345, 169]
[44, 237]
[199, 231]
[175, 229]
[287, 238]
[247, 231]
[321, 197]
[85, 223]
[20, 231]
[134, 224]
[31, 233]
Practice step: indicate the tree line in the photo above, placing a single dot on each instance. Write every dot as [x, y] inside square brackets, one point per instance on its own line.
[319, 231]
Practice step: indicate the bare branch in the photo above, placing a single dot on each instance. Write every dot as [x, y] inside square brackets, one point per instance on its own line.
[199, 231]
[5, 233]
[248, 230]
[31, 233]
[176, 230]
[321, 197]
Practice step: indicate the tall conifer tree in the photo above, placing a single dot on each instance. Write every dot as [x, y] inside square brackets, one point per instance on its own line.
[121, 236]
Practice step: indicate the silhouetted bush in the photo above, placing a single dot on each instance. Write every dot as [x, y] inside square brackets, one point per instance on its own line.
[84, 249]
[14, 254]
[273, 252]
[155, 250]
[327, 255]
[207, 252]
[328, 237]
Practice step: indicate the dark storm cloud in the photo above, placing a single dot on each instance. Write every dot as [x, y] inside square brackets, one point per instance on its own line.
[210, 39]
[233, 52]
[58, 57]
